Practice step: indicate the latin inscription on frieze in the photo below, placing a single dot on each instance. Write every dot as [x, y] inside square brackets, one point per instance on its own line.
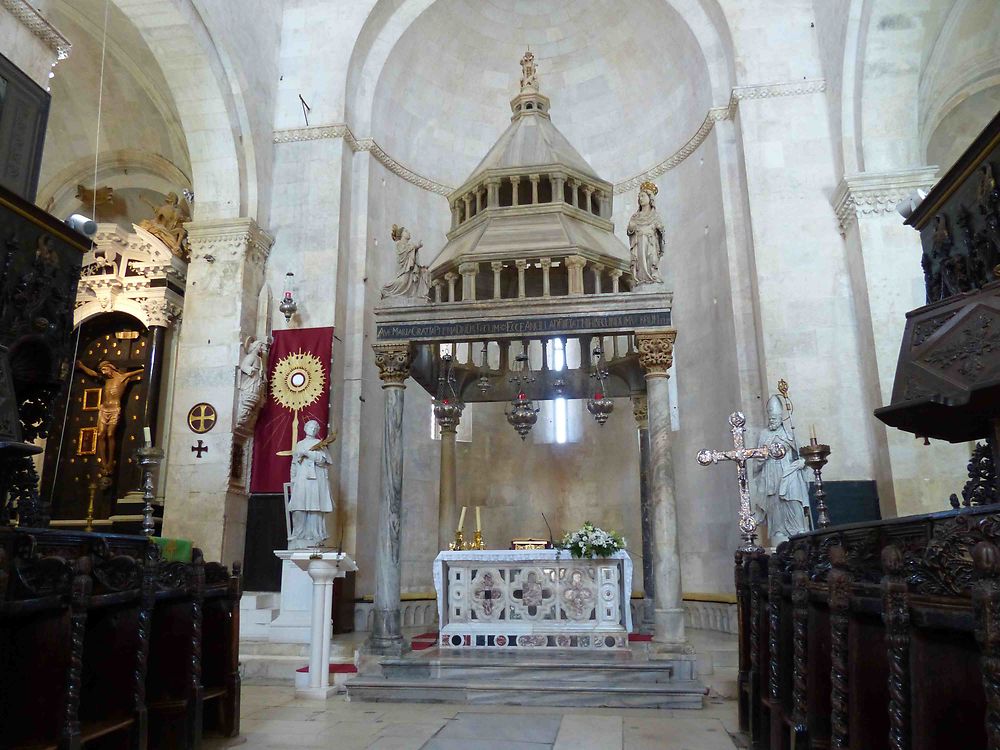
[619, 322]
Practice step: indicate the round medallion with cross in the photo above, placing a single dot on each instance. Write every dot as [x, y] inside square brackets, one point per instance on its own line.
[202, 418]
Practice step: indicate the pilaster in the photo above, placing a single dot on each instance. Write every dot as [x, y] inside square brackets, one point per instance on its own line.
[204, 504]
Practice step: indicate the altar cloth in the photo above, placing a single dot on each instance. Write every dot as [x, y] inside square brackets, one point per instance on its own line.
[532, 599]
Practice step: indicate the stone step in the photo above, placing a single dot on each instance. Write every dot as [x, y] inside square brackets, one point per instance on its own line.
[577, 669]
[259, 600]
[678, 694]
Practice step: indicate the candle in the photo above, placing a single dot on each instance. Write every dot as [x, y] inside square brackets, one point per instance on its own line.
[147, 436]
[479, 524]
[461, 519]
[812, 431]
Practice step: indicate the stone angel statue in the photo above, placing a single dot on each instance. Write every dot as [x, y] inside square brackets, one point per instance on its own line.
[253, 382]
[167, 224]
[412, 279]
[646, 237]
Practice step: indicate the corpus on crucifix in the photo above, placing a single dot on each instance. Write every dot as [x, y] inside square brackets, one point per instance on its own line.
[110, 410]
[740, 455]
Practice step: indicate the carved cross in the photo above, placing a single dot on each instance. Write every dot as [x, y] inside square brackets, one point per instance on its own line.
[199, 449]
[741, 454]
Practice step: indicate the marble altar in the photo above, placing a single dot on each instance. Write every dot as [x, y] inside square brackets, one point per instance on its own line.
[512, 599]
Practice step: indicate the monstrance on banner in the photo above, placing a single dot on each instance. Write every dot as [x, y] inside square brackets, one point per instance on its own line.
[297, 383]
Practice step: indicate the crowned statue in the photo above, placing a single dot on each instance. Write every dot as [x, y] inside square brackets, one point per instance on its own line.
[310, 500]
[645, 238]
[412, 279]
[782, 488]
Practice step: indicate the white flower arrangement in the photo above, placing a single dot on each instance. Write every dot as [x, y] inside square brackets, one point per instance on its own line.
[590, 542]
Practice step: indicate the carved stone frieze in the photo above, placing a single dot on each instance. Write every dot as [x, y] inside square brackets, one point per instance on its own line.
[640, 410]
[656, 351]
[34, 21]
[393, 362]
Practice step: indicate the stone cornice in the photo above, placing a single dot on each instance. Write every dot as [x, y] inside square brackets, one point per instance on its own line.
[714, 115]
[772, 90]
[873, 193]
[212, 238]
[25, 12]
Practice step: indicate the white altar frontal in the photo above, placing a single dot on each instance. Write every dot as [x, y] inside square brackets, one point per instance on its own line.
[532, 599]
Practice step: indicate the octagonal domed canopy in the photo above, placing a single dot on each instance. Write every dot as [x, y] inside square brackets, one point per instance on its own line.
[533, 199]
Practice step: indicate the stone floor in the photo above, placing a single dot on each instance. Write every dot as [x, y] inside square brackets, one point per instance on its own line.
[273, 718]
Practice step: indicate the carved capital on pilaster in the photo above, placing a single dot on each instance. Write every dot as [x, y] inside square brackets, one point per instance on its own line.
[468, 269]
[229, 239]
[656, 350]
[877, 193]
[393, 362]
[575, 262]
[640, 410]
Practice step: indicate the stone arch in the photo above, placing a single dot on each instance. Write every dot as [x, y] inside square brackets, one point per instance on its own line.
[119, 168]
[222, 160]
[389, 20]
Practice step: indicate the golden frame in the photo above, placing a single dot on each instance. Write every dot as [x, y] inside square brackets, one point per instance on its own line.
[86, 444]
[92, 398]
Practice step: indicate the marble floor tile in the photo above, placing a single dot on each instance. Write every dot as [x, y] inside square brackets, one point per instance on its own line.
[488, 727]
[273, 718]
[582, 732]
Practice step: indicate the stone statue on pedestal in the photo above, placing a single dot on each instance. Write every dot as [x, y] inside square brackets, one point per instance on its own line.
[782, 487]
[412, 280]
[645, 236]
[310, 498]
[529, 72]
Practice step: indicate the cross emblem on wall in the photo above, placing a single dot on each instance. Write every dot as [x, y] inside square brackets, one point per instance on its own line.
[199, 448]
[201, 418]
[740, 455]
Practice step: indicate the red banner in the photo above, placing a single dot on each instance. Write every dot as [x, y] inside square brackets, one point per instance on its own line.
[298, 389]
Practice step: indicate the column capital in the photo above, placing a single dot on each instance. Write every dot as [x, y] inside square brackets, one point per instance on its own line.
[448, 414]
[514, 179]
[656, 350]
[496, 265]
[545, 262]
[161, 312]
[468, 267]
[615, 273]
[393, 362]
[521, 264]
[877, 193]
[640, 410]
[493, 181]
[450, 276]
[575, 261]
[229, 239]
[534, 177]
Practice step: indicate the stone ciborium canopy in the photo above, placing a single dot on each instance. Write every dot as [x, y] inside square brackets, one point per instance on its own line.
[531, 265]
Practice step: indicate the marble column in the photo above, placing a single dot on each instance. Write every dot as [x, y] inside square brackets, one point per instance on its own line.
[522, 266]
[574, 268]
[393, 362]
[497, 268]
[641, 414]
[448, 414]
[656, 354]
[468, 271]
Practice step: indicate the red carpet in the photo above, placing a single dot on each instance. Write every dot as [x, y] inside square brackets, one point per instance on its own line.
[343, 668]
[639, 637]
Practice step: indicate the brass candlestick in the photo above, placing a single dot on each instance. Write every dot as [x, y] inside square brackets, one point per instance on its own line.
[91, 496]
[477, 541]
[459, 543]
[815, 455]
[149, 459]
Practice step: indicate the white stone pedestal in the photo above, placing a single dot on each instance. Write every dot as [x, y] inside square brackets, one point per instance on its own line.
[295, 603]
[321, 568]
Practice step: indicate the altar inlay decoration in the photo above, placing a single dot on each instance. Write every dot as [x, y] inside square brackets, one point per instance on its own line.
[539, 599]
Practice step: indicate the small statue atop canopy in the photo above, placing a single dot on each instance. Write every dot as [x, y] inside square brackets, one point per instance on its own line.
[529, 73]
[412, 280]
[646, 237]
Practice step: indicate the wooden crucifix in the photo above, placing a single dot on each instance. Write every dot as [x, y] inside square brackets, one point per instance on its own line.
[741, 454]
